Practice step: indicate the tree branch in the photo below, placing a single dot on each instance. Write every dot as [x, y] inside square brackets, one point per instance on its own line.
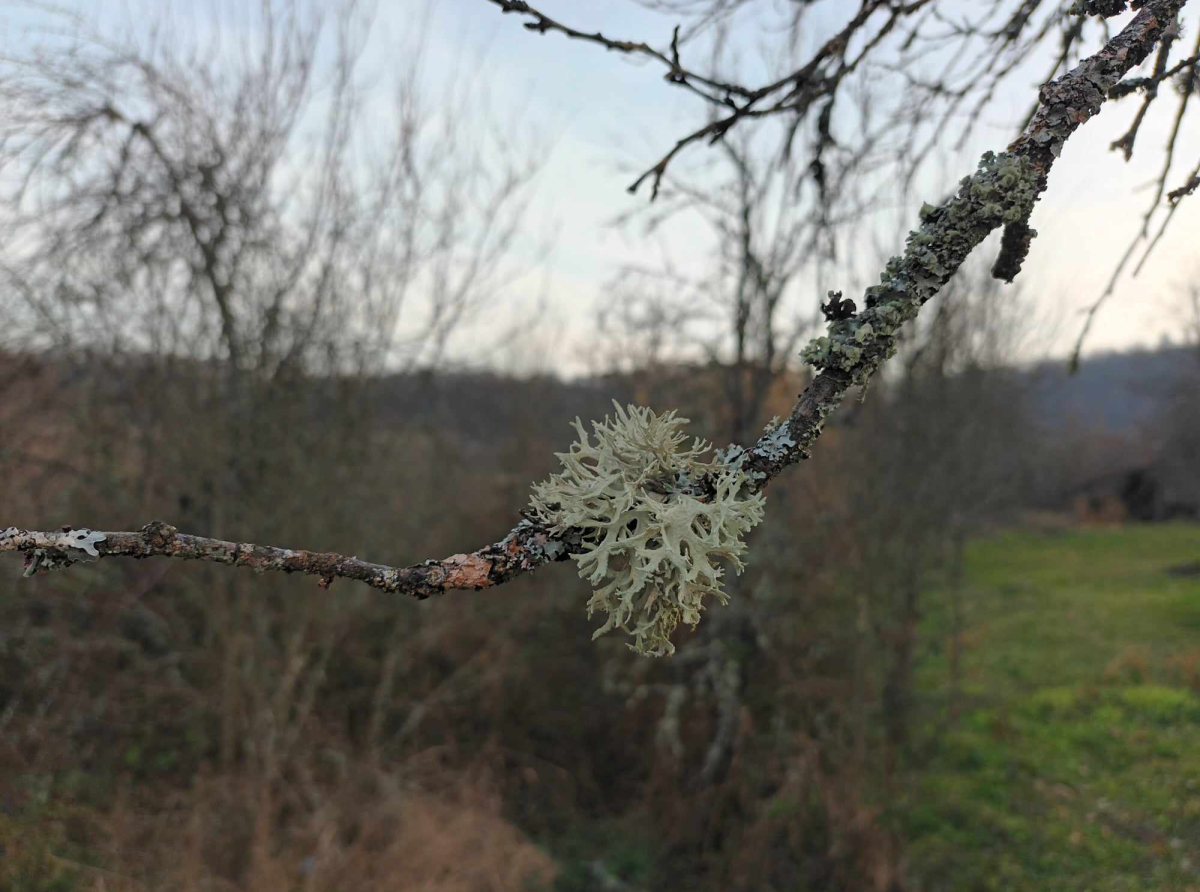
[933, 254]
[487, 567]
[803, 86]
[541, 23]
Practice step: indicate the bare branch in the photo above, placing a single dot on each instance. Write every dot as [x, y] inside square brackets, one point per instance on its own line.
[676, 73]
[819, 77]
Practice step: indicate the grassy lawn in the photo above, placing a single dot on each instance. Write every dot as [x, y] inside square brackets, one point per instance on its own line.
[1069, 757]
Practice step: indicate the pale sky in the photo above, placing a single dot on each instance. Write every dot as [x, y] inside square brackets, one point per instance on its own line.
[604, 115]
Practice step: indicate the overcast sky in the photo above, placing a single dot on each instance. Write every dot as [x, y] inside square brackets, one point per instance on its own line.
[602, 115]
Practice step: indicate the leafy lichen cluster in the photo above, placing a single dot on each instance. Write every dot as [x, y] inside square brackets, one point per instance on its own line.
[652, 539]
[1001, 192]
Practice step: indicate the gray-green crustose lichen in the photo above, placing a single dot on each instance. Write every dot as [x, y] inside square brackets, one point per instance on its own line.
[652, 547]
[1001, 192]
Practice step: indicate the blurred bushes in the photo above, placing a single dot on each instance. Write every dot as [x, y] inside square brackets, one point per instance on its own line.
[217, 725]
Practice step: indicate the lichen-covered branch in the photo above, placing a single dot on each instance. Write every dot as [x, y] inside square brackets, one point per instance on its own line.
[1001, 192]
[525, 548]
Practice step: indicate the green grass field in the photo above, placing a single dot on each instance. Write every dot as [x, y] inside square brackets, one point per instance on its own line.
[1069, 756]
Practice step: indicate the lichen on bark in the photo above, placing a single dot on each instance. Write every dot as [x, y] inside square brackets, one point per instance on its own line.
[653, 544]
[1001, 192]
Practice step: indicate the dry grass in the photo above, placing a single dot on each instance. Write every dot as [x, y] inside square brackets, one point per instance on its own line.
[374, 833]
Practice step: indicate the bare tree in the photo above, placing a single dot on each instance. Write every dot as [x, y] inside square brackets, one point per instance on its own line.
[224, 242]
[233, 204]
[745, 310]
[191, 198]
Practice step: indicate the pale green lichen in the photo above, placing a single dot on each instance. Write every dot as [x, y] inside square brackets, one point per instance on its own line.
[776, 441]
[652, 537]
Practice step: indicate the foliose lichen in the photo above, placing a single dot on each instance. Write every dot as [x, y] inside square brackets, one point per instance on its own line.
[1001, 192]
[776, 440]
[652, 539]
[60, 549]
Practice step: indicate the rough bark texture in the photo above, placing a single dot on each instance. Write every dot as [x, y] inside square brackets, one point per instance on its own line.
[517, 553]
[933, 254]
